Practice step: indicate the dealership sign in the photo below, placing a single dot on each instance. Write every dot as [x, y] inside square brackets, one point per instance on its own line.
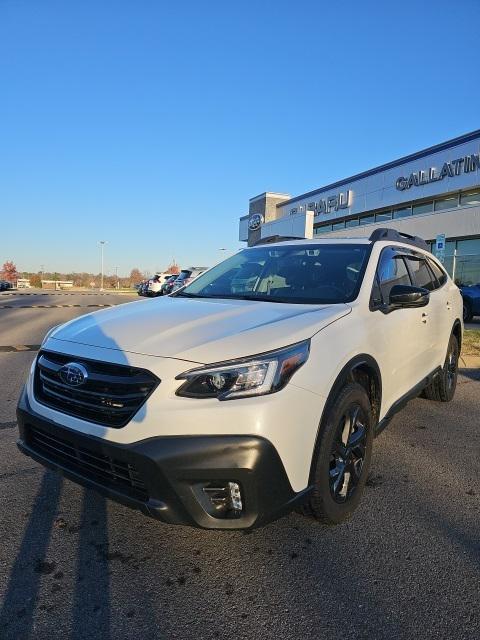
[336, 202]
[449, 169]
[255, 221]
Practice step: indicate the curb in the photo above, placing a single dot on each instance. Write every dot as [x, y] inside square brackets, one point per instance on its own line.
[470, 362]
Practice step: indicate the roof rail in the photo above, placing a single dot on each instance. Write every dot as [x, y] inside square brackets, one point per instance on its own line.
[398, 236]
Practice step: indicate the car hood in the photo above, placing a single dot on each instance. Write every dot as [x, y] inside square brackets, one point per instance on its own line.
[198, 330]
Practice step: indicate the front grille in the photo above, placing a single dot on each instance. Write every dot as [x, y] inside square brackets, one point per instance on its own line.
[110, 396]
[103, 469]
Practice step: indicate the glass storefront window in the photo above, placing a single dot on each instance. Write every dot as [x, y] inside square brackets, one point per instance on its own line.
[338, 225]
[473, 197]
[466, 262]
[446, 203]
[403, 212]
[467, 270]
[449, 247]
[468, 247]
[424, 207]
[352, 223]
[384, 215]
[367, 220]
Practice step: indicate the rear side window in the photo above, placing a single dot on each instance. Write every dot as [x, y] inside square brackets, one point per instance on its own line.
[438, 272]
[391, 271]
[422, 275]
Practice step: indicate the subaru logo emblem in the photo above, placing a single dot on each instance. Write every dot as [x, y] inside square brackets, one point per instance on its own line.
[73, 374]
[255, 221]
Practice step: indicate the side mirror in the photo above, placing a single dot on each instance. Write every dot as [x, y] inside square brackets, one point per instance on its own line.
[406, 296]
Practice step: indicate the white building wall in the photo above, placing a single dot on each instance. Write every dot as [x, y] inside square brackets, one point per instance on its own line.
[299, 225]
[454, 223]
[378, 190]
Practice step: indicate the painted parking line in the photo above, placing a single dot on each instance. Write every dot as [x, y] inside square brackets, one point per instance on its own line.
[53, 306]
[19, 347]
[10, 293]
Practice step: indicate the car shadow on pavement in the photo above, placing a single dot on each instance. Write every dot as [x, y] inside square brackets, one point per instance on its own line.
[91, 599]
[18, 607]
[473, 374]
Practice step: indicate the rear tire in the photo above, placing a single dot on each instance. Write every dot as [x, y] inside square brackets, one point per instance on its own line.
[442, 388]
[467, 311]
[343, 457]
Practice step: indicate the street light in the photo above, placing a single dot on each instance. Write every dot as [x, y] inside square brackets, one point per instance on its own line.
[102, 243]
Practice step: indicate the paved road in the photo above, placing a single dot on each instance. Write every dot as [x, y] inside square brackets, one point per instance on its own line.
[474, 324]
[73, 565]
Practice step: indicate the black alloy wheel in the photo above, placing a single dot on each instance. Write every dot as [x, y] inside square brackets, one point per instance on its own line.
[348, 453]
[341, 460]
[442, 388]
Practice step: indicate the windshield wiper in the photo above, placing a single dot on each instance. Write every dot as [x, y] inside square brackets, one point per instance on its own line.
[185, 294]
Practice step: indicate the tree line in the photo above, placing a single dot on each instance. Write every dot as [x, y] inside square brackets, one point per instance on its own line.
[10, 273]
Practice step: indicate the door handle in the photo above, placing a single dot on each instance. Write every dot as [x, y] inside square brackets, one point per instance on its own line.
[424, 318]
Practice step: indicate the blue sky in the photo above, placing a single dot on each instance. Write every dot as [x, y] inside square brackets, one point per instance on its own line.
[150, 124]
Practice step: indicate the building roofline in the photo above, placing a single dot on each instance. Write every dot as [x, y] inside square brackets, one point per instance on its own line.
[269, 193]
[389, 165]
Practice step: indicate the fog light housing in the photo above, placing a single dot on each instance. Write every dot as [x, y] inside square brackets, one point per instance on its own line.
[223, 499]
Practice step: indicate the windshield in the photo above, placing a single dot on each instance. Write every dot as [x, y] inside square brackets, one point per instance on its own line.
[306, 274]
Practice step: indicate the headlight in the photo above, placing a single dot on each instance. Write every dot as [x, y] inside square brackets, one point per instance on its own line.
[49, 333]
[254, 376]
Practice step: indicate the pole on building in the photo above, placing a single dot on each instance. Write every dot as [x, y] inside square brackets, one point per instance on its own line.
[454, 264]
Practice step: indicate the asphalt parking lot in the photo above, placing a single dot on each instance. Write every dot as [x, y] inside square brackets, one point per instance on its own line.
[73, 565]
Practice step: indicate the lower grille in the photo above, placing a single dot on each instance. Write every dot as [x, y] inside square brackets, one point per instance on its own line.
[113, 473]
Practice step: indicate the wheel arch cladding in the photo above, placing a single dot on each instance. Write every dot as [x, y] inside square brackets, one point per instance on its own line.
[364, 370]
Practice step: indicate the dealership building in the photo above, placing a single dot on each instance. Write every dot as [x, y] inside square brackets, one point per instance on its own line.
[434, 194]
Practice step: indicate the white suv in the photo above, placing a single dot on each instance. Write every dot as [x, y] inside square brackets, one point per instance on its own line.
[256, 389]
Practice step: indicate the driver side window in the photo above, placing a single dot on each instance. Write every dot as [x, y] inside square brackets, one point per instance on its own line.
[391, 270]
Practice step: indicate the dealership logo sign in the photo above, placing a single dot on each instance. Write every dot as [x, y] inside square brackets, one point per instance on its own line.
[73, 374]
[255, 221]
[449, 169]
[336, 202]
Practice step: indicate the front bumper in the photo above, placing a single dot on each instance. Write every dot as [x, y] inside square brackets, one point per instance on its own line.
[163, 476]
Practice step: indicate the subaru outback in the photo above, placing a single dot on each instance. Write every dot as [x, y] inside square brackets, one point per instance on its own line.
[256, 389]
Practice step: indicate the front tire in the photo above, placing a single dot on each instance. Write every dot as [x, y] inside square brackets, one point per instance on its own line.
[343, 457]
[442, 388]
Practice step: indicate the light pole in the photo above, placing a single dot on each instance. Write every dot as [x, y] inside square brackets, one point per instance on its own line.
[102, 243]
[116, 277]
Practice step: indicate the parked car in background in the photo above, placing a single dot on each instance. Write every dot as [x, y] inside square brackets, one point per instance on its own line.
[471, 301]
[167, 286]
[142, 288]
[5, 285]
[186, 276]
[156, 283]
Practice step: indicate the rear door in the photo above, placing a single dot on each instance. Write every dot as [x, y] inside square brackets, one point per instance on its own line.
[399, 334]
[437, 318]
